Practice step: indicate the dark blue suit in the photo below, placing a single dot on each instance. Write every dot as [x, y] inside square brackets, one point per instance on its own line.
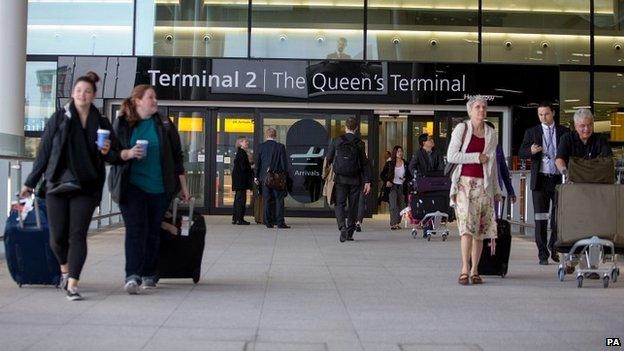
[271, 155]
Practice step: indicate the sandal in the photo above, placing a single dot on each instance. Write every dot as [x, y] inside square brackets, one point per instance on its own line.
[476, 279]
[463, 279]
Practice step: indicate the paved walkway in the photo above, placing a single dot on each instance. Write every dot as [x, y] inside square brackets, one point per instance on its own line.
[300, 289]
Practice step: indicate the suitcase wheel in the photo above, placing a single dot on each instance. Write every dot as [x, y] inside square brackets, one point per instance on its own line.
[503, 270]
[414, 233]
[428, 237]
[443, 237]
[605, 281]
[579, 281]
[196, 276]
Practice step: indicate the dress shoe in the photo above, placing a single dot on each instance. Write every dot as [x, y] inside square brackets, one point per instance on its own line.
[243, 223]
[543, 262]
[233, 222]
[555, 257]
[343, 236]
[270, 226]
[358, 227]
[283, 226]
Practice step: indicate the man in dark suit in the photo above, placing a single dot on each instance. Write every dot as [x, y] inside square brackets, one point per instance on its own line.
[271, 155]
[427, 159]
[348, 184]
[540, 145]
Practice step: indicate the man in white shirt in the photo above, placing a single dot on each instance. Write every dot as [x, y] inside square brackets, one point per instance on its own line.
[540, 145]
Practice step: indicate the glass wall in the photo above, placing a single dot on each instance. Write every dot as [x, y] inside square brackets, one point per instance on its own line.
[608, 32]
[306, 136]
[536, 31]
[230, 127]
[80, 27]
[190, 124]
[307, 29]
[214, 28]
[419, 30]
[573, 94]
[609, 105]
[40, 95]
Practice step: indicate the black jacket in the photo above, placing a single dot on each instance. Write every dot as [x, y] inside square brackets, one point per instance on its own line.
[387, 175]
[420, 162]
[534, 135]
[171, 156]
[365, 171]
[242, 174]
[50, 154]
[271, 154]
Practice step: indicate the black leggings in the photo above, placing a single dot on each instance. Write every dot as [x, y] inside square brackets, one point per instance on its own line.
[69, 219]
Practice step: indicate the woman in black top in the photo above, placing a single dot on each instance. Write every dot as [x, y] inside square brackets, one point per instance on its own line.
[74, 171]
[242, 180]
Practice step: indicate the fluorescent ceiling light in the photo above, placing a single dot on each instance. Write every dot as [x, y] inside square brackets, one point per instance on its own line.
[82, 1]
[580, 107]
[572, 100]
[77, 27]
[606, 102]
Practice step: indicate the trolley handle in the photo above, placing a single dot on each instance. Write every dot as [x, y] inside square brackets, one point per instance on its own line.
[36, 209]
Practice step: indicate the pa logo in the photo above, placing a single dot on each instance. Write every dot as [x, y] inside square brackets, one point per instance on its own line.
[613, 342]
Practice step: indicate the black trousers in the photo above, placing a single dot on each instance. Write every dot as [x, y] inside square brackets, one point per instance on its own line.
[542, 200]
[142, 214]
[273, 197]
[238, 210]
[347, 199]
[69, 219]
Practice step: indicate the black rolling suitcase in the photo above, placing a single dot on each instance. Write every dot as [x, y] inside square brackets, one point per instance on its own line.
[498, 263]
[182, 241]
[27, 247]
[422, 203]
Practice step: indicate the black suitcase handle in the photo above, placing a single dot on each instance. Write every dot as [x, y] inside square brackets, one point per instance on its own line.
[176, 203]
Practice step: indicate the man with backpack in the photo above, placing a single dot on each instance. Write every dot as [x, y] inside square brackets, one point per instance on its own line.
[346, 154]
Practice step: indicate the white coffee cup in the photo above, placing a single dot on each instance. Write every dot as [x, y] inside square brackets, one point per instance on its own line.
[143, 144]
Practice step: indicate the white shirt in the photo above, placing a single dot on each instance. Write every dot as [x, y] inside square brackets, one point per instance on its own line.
[399, 175]
[549, 146]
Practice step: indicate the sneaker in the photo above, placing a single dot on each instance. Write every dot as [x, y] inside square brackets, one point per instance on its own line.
[73, 295]
[149, 283]
[132, 287]
[64, 281]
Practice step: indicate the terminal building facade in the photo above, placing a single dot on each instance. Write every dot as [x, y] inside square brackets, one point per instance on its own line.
[230, 68]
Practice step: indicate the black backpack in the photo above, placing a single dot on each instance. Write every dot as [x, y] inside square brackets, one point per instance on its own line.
[347, 159]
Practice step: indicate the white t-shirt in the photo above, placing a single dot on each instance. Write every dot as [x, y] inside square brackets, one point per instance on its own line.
[399, 175]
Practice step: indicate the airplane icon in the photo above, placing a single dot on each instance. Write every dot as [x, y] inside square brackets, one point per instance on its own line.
[308, 155]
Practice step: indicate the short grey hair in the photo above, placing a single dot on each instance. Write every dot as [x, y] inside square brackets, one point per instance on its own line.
[582, 113]
[473, 99]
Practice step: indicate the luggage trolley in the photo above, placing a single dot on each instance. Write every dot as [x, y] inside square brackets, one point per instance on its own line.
[589, 243]
[592, 255]
[429, 207]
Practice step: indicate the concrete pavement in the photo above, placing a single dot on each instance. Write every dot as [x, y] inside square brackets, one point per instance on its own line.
[299, 289]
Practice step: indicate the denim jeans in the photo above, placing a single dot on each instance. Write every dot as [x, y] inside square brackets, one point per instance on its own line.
[142, 214]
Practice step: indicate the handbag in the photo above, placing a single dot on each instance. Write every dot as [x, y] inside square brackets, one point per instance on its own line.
[114, 181]
[599, 170]
[67, 184]
[384, 195]
[275, 180]
[449, 168]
